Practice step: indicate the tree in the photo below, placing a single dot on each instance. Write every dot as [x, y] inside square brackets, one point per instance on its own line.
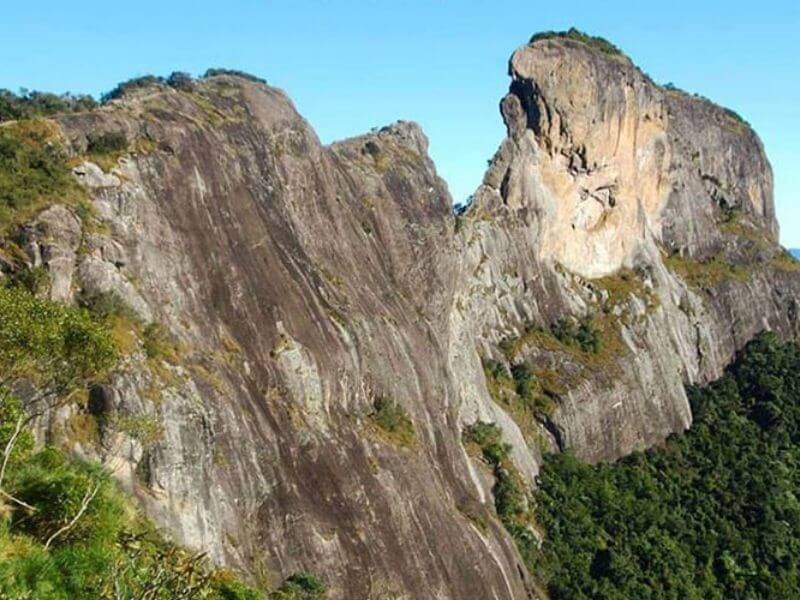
[52, 347]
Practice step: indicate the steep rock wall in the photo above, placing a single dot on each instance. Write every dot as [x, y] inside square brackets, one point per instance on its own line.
[301, 283]
[640, 208]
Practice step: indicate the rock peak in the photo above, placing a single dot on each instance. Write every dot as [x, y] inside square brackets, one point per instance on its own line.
[620, 153]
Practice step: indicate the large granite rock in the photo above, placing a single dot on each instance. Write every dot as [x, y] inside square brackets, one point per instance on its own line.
[303, 281]
[643, 208]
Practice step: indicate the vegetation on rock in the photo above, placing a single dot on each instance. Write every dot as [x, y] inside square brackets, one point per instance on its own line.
[716, 270]
[131, 85]
[580, 333]
[592, 344]
[178, 80]
[235, 73]
[511, 494]
[33, 172]
[28, 105]
[392, 422]
[78, 537]
[706, 273]
[598, 43]
[528, 394]
[300, 586]
[54, 346]
[65, 529]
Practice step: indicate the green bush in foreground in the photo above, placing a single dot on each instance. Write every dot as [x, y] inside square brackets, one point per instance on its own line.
[69, 533]
[714, 513]
[65, 529]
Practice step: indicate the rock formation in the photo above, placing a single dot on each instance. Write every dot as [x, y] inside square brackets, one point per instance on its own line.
[621, 246]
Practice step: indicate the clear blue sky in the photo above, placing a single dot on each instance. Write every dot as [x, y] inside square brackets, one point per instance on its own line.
[352, 65]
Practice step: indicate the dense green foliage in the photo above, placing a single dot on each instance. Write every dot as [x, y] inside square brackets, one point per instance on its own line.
[713, 514]
[527, 395]
[131, 85]
[27, 105]
[580, 333]
[33, 172]
[109, 550]
[178, 80]
[56, 346]
[107, 143]
[598, 43]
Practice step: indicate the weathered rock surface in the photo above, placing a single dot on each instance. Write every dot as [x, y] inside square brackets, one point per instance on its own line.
[303, 281]
[607, 179]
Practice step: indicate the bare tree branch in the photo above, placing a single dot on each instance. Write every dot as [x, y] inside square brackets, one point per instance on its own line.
[87, 499]
[10, 446]
[22, 421]
[17, 500]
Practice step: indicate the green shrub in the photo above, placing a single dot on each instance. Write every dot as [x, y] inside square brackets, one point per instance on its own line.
[10, 413]
[511, 493]
[56, 486]
[391, 419]
[495, 368]
[180, 81]
[488, 437]
[301, 586]
[581, 334]
[105, 149]
[524, 380]
[107, 305]
[108, 142]
[527, 394]
[35, 280]
[159, 345]
[57, 346]
[707, 273]
[108, 551]
[146, 429]
[65, 529]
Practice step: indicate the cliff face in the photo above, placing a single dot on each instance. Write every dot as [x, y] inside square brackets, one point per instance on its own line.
[644, 209]
[302, 283]
[622, 245]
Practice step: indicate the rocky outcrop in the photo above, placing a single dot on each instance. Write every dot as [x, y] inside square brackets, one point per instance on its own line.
[644, 209]
[299, 283]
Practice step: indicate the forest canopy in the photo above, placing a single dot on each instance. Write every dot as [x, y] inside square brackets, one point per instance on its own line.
[714, 513]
